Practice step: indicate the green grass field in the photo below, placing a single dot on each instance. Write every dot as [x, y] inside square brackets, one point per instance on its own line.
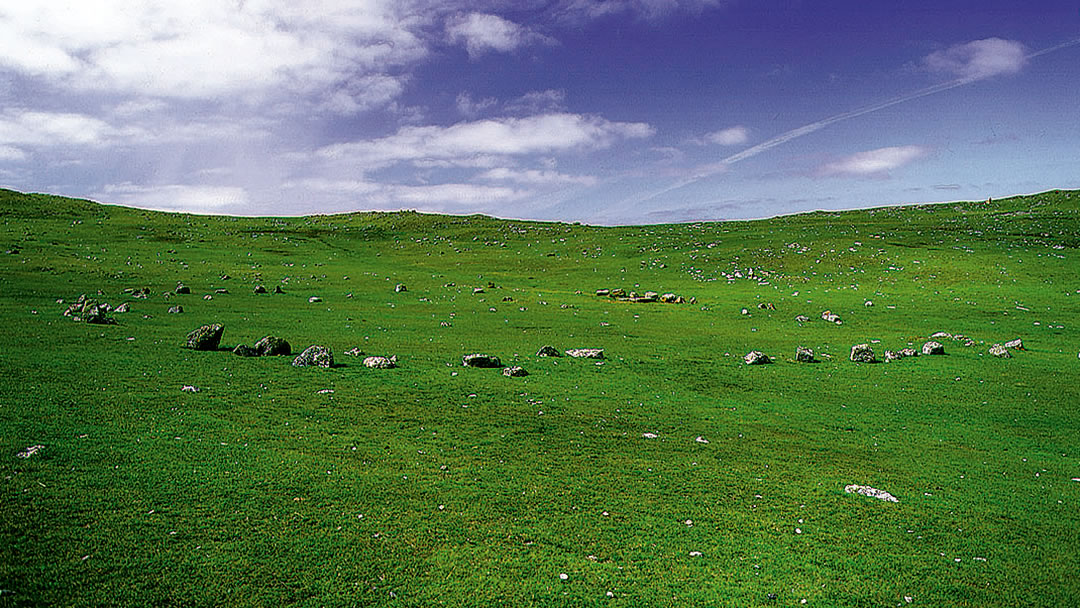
[436, 484]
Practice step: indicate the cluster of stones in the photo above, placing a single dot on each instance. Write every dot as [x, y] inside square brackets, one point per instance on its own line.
[481, 360]
[89, 310]
[649, 296]
[1002, 350]
[269, 346]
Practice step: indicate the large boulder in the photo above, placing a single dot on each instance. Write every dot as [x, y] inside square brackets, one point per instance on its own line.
[207, 337]
[270, 346]
[933, 348]
[547, 351]
[318, 356]
[480, 360]
[804, 355]
[862, 353]
[756, 357]
[585, 353]
[380, 362]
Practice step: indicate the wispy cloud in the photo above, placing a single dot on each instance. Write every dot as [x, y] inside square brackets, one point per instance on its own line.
[645, 9]
[979, 59]
[732, 136]
[482, 33]
[11, 154]
[176, 197]
[536, 177]
[874, 162]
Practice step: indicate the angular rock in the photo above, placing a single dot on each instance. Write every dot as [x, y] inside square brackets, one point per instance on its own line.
[756, 357]
[175, 310]
[862, 353]
[207, 337]
[933, 348]
[548, 351]
[121, 309]
[802, 319]
[182, 289]
[871, 492]
[1000, 351]
[380, 362]
[480, 360]
[1018, 344]
[319, 356]
[272, 346]
[244, 350]
[585, 353]
[892, 355]
[831, 317]
[400, 287]
[259, 289]
[278, 289]
[514, 372]
[804, 355]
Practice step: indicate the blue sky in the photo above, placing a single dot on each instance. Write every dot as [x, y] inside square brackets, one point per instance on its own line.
[603, 111]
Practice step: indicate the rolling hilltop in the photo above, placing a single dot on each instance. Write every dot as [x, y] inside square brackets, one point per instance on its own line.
[667, 473]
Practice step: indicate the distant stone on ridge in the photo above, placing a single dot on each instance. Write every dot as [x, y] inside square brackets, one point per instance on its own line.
[270, 346]
[480, 360]
[862, 353]
[319, 356]
[547, 351]
[585, 353]
[207, 337]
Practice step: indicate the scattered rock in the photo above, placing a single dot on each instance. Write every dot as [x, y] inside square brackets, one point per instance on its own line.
[208, 297]
[1018, 344]
[649, 435]
[222, 290]
[547, 351]
[862, 353]
[30, 451]
[933, 348]
[354, 351]
[314, 299]
[700, 439]
[586, 353]
[892, 355]
[207, 337]
[123, 308]
[480, 360]
[766, 306]
[278, 289]
[617, 293]
[175, 310]
[669, 298]
[871, 492]
[756, 357]
[942, 334]
[187, 388]
[315, 355]
[1000, 351]
[603, 292]
[908, 352]
[400, 287]
[744, 312]
[514, 372]
[477, 290]
[89, 310]
[868, 303]
[259, 289]
[802, 319]
[804, 355]
[381, 362]
[270, 346]
[244, 350]
[182, 289]
[831, 317]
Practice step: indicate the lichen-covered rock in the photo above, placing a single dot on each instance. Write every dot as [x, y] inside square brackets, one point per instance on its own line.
[244, 350]
[1018, 344]
[318, 356]
[547, 351]
[586, 353]
[804, 355]
[207, 337]
[862, 353]
[480, 360]
[514, 372]
[870, 492]
[756, 357]
[1000, 351]
[933, 348]
[271, 346]
[380, 362]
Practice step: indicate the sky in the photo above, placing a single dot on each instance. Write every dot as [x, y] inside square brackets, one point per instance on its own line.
[600, 111]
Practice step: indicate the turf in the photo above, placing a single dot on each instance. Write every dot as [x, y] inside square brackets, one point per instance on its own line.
[436, 484]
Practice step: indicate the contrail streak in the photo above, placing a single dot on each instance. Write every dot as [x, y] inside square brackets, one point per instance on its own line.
[721, 166]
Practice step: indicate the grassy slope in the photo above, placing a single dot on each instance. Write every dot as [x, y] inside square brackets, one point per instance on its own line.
[434, 484]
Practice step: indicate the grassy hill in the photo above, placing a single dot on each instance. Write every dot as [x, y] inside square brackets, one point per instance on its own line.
[436, 484]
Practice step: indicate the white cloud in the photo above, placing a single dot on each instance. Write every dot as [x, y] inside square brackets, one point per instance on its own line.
[481, 33]
[979, 59]
[537, 102]
[537, 177]
[731, 136]
[875, 162]
[646, 9]
[175, 197]
[468, 107]
[389, 196]
[546, 133]
[365, 93]
[11, 154]
[31, 128]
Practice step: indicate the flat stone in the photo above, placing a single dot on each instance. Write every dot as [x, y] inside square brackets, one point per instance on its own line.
[585, 353]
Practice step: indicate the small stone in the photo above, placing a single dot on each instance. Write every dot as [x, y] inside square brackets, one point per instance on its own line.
[802, 319]
[649, 435]
[259, 289]
[244, 350]
[1000, 351]
[480, 360]
[182, 289]
[756, 357]
[514, 372]
[547, 351]
[187, 388]
[30, 451]
[175, 310]
[314, 299]
[586, 353]
[804, 355]
[400, 287]
[701, 439]
[380, 362]
[1018, 344]
[278, 289]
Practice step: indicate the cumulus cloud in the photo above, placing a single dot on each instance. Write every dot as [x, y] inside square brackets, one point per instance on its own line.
[541, 134]
[978, 59]
[732, 136]
[536, 177]
[875, 162]
[31, 128]
[481, 33]
[175, 197]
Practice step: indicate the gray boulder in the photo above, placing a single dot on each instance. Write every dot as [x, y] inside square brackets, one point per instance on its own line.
[514, 372]
[1018, 344]
[892, 355]
[804, 355]
[259, 289]
[318, 356]
[207, 337]
[1000, 351]
[480, 360]
[547, 351]
[862, 353]
[244, 350]
[271, 346]
[586, 353]
[933, 348]
[756, 357]
[380, 362]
